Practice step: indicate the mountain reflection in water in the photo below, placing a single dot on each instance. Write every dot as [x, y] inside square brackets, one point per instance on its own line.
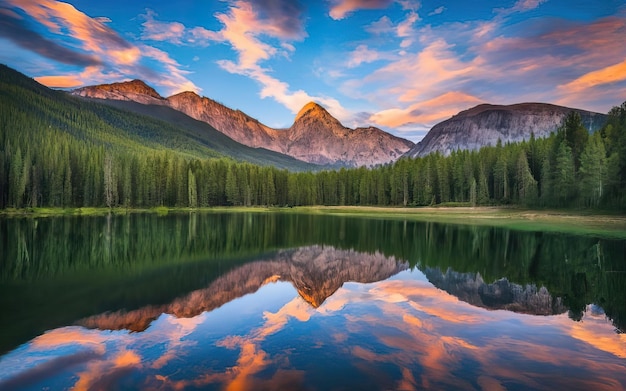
[316, 272]
[281, 302]
[501, 294]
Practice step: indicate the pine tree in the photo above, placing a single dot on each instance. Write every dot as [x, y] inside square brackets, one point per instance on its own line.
[564, 175]
[526, 184]
[592, 172]
[193, 189]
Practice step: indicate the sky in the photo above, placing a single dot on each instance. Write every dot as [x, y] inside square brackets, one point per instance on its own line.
[400, 65]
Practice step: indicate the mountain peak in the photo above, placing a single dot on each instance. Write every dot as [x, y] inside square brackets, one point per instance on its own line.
[185, 94]
[311, 109]
[120, 90]
[135, 86]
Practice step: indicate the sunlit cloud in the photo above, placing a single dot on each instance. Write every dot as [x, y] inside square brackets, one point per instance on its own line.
[243, 30]
[610, 74]
[363, 55]
[342, 8]
[13, 27]
[491, 61]
[406, 31]
[429, 112]
[104, 55]
[93, 74]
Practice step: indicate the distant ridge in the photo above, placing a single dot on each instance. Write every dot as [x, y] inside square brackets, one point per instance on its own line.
[485, 124]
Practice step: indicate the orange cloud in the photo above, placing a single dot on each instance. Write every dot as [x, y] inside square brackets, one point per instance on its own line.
[117, 56]
[429, 111]
[61, 81]
[610, 74]
[94, 74]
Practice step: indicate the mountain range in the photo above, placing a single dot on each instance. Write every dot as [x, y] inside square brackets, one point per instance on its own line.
[314, 137]
[319, 138]
[202, 127]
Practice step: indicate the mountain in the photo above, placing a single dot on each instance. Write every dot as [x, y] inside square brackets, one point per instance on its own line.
[315, 136]
[485, 124]
[27, 105]
[134, 90]
[205, 134]
[316, 272]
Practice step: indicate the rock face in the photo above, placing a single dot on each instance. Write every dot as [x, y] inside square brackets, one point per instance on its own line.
[315, 136]
[485, 124]
[501, 294]
[135, 90]
[315, 271]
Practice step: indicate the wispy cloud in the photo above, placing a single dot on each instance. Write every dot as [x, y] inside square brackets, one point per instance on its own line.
[14, 27]
[363, 55]
[437, 11]
[521, 6]
[175, 32]
[494, 61]
[102, 52]
[342, 8]
[245, 29]
[426, 112]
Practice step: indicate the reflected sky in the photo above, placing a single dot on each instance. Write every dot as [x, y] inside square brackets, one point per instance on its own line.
[398, 333]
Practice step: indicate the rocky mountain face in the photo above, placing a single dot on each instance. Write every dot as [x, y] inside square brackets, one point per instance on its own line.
[501, 294]
[315, 271]
[315, 136]
[135, 90]
[485, 124]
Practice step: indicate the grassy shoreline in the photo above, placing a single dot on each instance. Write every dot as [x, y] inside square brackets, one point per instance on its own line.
[567, 221]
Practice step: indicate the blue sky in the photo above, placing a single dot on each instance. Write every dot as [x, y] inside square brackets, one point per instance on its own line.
[400, 65]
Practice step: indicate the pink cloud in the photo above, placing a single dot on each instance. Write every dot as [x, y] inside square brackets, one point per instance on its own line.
[571, 63]
[363, 55]
[610, 74]
[244, 30]
[161, 31]
[342, 8]
[430, 111]
[117, 57]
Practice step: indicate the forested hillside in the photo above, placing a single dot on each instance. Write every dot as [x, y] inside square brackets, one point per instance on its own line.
[54, 145]
[61, 151]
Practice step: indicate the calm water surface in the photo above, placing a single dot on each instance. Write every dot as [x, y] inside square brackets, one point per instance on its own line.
[255, 301]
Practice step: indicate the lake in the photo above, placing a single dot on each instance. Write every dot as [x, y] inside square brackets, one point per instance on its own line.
[282, 301]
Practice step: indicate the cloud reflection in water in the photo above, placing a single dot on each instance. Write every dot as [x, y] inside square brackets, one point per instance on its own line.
[398, 333]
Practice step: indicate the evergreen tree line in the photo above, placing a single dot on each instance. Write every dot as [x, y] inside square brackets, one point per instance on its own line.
[43, 166]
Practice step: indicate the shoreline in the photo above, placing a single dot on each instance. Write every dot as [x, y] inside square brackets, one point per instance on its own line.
[548, 220]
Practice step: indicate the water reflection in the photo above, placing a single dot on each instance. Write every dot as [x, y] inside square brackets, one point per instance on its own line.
[501, 294]
[400, 333]
[316, 272]
[271, 301]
